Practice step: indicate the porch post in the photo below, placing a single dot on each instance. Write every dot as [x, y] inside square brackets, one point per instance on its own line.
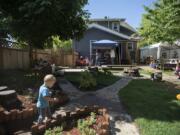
[119, 53]
[90, 53]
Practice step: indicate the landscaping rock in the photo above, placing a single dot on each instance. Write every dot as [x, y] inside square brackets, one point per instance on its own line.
[2, 88]
[8, 97]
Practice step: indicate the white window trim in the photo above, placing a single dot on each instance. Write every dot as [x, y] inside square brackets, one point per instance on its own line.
[117, 26]
[132, 46]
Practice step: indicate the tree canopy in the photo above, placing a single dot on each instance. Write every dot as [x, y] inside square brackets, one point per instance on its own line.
[161, 23]
[34, 21]
[55, 43]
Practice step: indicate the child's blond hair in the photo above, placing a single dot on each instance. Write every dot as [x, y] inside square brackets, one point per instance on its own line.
[49, 78]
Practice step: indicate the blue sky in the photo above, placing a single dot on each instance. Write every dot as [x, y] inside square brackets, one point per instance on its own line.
[132, 10]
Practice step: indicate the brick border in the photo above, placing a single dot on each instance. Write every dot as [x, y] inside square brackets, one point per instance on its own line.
[16, 114]
[60, 117]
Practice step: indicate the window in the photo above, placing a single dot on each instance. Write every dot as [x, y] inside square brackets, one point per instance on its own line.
[175, 54]
[130, 46]
[164, 55]
[115, 26]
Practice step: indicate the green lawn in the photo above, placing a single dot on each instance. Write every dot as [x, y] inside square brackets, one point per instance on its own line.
[19, 80]
[101, 79]
[148, 72]
[153, 106]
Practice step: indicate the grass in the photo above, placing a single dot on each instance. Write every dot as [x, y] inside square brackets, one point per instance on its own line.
[102, 79]
[19, 80]
[153, 106]
[149, 71]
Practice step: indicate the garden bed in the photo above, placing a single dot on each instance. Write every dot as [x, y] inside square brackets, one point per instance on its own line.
[88, 120]
[101, 80]
[22, 112]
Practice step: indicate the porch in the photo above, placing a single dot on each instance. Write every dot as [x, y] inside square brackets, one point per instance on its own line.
[125, 52]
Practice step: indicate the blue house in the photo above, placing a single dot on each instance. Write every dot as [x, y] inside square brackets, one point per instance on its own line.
[106, 34]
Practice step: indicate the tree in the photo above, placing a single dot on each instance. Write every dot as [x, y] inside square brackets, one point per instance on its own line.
[34, 21]
[55, 43]
[162, 22]
[145, 32]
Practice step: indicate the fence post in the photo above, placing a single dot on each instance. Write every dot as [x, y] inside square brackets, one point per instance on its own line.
[1, 57]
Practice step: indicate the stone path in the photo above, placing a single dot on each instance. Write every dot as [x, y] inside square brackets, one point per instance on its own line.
[121, 122]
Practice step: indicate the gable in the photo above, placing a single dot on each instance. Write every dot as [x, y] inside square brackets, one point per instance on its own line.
[99, 27]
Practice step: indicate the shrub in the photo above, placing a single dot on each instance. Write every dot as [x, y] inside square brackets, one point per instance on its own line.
[87, 81]
[54, 131]
[84, 125]
[107, 72]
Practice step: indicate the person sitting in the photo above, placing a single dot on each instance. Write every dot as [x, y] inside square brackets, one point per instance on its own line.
[82, 61]
[87, 61]
[177, 71]
[153, 64]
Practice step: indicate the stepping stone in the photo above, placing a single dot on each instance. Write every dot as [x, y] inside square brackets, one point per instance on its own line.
[2, 88]
[7, 93]
[8, 97]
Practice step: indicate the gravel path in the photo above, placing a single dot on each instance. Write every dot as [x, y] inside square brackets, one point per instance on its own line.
[121, 122]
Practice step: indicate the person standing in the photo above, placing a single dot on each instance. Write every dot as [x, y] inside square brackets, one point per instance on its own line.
[97, 58]
[44, 98]
[112, 54]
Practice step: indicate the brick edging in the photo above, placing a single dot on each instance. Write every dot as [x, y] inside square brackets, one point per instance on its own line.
[16, 114]
[63, 116]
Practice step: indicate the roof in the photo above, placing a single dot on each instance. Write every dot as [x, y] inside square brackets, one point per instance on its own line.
[108, 19]
[97, 26]
[120, 20]
[165, 45]
[126, 25]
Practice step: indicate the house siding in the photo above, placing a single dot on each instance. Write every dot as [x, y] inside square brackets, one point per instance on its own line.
[125, 31]
[83, 46]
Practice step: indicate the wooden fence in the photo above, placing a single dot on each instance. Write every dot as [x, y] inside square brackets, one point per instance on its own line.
[14, 58]
[19, 59]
